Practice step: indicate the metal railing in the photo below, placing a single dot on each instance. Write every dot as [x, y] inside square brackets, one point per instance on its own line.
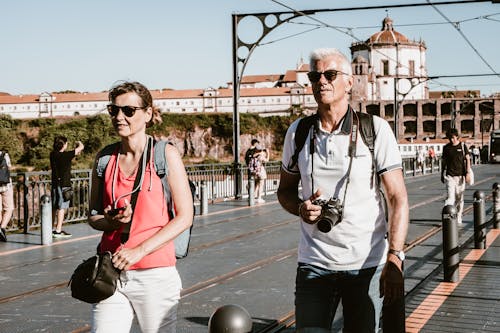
[218, 179]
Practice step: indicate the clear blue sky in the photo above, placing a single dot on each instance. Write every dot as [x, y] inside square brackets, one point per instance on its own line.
[87, 45]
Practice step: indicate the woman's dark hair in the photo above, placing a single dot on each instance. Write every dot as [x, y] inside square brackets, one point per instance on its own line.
[124, 87]
[59, 142]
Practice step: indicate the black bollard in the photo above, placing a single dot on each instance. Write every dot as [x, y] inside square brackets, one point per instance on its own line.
[479, 217]
[451, 250]
[230, 319]
[496, 206]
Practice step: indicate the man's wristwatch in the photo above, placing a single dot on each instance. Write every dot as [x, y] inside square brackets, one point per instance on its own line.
[399, 254]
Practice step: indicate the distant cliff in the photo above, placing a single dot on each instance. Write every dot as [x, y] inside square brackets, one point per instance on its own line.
[199, 137]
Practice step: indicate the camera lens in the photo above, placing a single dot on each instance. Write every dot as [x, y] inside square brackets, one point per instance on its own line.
[324, 225]
[329, 218]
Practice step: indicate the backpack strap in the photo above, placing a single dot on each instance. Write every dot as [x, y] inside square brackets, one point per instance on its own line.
[161, 167]
[367, 130]
[301, 133]
[104, 157]
[102, 163]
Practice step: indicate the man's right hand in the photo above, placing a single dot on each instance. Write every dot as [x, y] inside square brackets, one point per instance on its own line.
[308, 211]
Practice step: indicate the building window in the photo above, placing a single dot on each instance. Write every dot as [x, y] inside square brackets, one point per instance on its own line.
[411, 66]
[385, 67]
[177, 103]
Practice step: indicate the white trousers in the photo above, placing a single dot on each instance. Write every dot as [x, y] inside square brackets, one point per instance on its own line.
[455, 188]
[152, 295]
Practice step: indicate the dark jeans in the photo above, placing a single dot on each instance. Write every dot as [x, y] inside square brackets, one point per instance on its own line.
[318, 292]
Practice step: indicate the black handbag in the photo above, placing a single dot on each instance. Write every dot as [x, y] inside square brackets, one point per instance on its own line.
[95, 279]
[67, 193]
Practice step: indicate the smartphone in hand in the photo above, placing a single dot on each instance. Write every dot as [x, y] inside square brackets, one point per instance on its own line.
[115, 211]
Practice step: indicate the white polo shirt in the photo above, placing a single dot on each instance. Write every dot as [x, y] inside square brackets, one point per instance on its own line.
[359, 241]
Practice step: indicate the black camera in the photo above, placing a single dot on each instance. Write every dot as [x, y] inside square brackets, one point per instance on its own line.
[331, 213]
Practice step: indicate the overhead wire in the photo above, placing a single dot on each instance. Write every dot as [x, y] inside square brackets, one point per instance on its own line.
[349, 31]
[457, 27]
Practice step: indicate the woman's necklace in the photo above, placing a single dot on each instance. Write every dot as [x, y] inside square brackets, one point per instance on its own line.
[115, 176]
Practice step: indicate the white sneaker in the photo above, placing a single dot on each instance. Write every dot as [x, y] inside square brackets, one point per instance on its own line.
[260, 201]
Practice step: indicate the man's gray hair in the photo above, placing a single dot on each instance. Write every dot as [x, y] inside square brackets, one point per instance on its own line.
[323, 53]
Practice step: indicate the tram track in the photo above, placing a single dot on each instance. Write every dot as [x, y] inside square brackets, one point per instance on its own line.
[287, 319]
[50, 287]
[192, 249]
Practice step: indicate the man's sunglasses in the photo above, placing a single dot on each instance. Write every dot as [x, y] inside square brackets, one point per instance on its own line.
[127, 110]
[330, 75]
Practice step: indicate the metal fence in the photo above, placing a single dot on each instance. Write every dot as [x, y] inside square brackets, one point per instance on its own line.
[218, 179]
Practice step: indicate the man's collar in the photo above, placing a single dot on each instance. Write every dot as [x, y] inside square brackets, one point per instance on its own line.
[347, 121]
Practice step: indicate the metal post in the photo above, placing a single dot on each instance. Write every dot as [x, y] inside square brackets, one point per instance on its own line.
[26, 211]
[479, 217]
[204, 198]
[451, 251]
[396, 109]
[46, 223]
[236, 115]
[496, 206]
[251, 191]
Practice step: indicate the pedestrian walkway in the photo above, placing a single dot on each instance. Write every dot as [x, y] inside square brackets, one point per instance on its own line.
[470, 305]
[247, 256]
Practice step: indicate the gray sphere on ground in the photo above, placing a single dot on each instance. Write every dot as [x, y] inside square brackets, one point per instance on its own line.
[230, 319]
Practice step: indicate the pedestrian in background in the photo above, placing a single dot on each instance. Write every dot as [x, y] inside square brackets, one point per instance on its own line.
[476, 155]
[455, 171]
[360, 258]
[6, 194]
[261, 156]
[60, 163]
[134, 219]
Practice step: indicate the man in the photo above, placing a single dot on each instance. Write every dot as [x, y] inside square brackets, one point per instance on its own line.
[60, 163]
[353, 262]
[251, 151]
[6, 195]
[455, 171]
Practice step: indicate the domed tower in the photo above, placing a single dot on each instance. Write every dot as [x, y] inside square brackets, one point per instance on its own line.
[389, 55]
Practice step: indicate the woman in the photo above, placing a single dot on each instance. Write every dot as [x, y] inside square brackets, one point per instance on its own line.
[262, 156]
[60, 163]
[141, 236]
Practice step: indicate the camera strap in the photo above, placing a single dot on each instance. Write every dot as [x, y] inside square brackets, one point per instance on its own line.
[353, 139]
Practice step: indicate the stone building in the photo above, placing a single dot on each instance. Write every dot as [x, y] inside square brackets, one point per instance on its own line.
[390, 73]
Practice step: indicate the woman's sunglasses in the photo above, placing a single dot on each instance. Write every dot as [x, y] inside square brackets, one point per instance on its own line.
[330, 75]
[127, 110]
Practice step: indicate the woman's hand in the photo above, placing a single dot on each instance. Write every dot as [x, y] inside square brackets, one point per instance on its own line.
[118, 216]
[124, 258]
